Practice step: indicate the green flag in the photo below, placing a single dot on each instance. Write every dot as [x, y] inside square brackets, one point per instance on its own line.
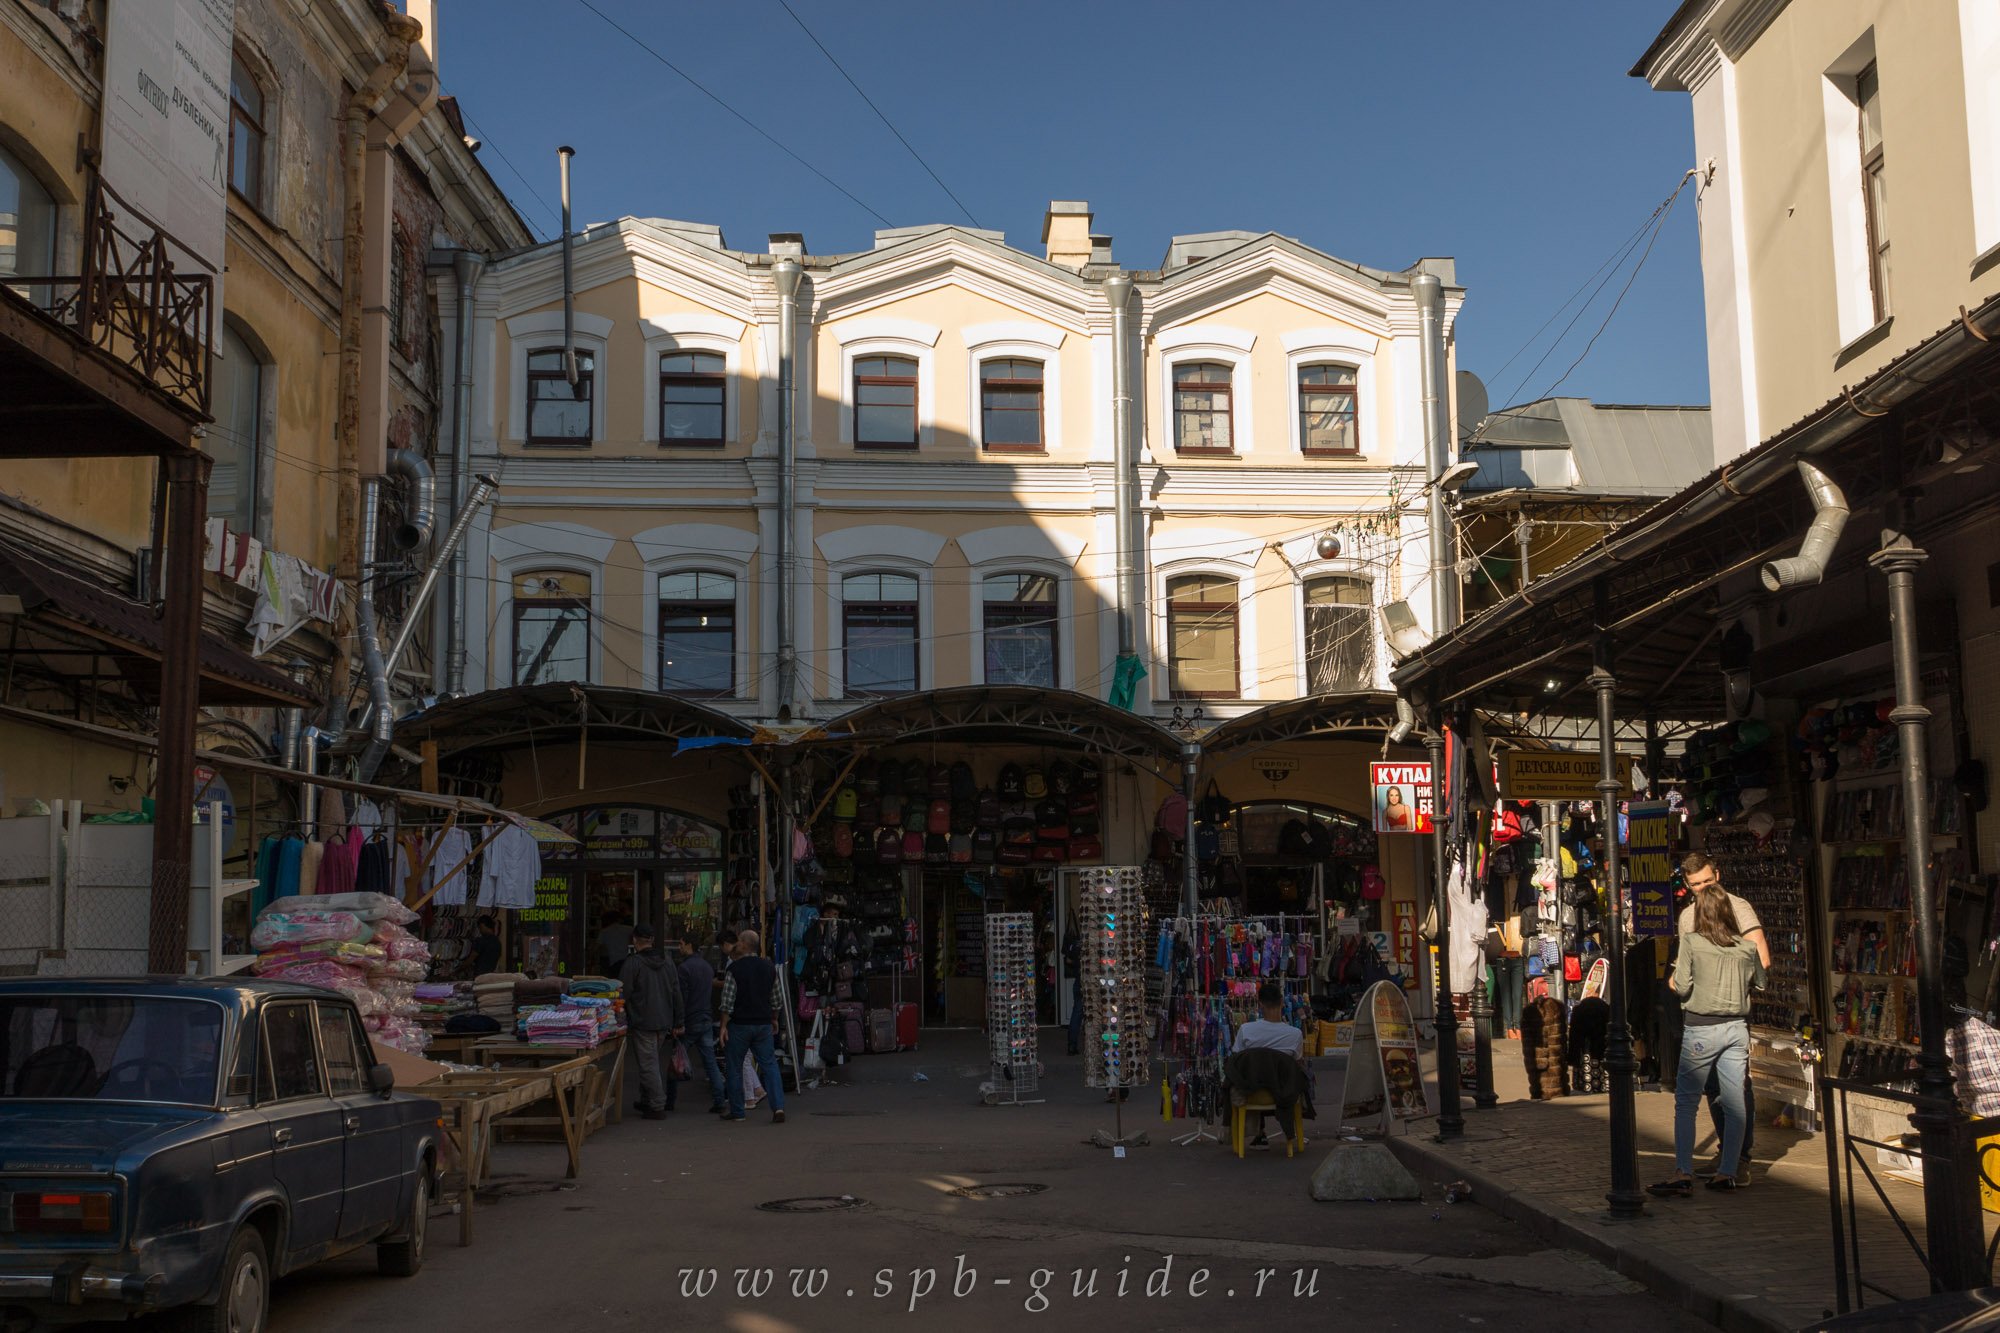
[1125, 681]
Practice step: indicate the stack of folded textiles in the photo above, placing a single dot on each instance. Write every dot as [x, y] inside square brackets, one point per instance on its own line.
[563, 1025]
[532, 994]
[603, 988]
[441, 1001]
[493, 993]
[356, 943]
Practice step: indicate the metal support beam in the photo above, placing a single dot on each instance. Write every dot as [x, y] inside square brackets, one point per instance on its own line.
[1451, 1110]
[1626, 1198]
[1190, 883]
[1953, 1231]
[180, 685]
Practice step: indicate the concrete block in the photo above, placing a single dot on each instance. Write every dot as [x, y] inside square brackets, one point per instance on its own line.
[1361, 1172]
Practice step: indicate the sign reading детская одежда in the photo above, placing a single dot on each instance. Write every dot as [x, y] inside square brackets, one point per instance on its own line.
[1556, 775]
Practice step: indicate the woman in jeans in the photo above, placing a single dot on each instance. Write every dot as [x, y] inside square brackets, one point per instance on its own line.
[1713, 977]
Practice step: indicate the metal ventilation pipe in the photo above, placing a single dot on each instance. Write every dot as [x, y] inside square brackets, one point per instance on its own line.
[1125, 461]
[380, 715]
[414, 532]
[563, 155]
[1829, 518]
[1406, 721]
[309, 791]
[786, 274]
[1429, 293]
[467, 267]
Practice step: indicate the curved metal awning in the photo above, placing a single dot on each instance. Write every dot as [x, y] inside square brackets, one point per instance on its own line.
[1365, 715]
[1001, 713]
[550, 714]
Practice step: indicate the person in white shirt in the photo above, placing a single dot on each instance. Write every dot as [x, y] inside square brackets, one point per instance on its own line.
[1270, 1032]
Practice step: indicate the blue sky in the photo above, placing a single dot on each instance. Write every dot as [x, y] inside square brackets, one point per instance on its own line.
[1507, 135]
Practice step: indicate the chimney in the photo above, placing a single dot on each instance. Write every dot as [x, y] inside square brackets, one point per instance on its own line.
[1100, 249]
[1066, 232]
[788, 244]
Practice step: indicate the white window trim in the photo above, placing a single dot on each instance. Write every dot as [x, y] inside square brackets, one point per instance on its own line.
[681, 335]
[707, 548]
[1343, 567]
[837, 573]
[1243, 435]
[503, 623]
[1067, 624]
[1979, 48]
[883, 344]
[531, 333]
[1336, 347]
[1000, 350]
[1244, 575]
[1853, 291]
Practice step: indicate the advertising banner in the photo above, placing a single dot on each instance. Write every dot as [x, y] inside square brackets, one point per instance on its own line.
[1649, 859]
[1556, 775]
[1402, 797]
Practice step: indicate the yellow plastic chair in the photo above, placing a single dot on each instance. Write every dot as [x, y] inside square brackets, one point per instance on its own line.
[1239, 1121]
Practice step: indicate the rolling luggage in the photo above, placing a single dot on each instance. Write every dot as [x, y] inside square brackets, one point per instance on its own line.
[852, 1025]
[881, 1031]
[906, 1026]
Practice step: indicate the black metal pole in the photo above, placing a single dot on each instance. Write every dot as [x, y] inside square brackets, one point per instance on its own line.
[1483, 1096]
[1952, 1226]
[1451, 1111]
[186, 498]
[1625, 1197]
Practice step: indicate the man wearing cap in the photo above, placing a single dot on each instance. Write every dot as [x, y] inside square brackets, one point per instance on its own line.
[1699, 874]
[653, 1007]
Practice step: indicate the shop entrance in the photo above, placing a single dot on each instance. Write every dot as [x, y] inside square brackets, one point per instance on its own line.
[629, 864]
[1301, 858]
[953, 902]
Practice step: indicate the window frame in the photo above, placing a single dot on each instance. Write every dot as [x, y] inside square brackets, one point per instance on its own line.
[254, 447]
[1872, 176]
[705, 606]
[44, 265]
[1352, 392]
[914, 381]
[532, 377]
[1367, 608]
[264, 1052]
[1176, 386]
[518, 605]
[718, 379]
[913, 608]
[259, 131]
[1053, 618]
[1041, 390]
[1178, 606]
[364, 1051]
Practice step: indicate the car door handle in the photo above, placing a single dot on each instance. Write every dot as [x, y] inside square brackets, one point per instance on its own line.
[353, 1124]
[281, 1137]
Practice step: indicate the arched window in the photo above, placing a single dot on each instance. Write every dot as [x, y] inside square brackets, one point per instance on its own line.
[698, 633]
[1010, 405]
[1328, 424]
[1019, 629]
[1202, 413]
[878, 623]
[1340, 635]
[558, 414]
[551, 627]
[27, 229]
[1202, 649]
[235, 440]
[885, 402]
[246, 133]
[691, 389]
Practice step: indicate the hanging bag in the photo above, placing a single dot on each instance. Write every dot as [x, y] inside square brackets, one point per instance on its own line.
[1215, 807]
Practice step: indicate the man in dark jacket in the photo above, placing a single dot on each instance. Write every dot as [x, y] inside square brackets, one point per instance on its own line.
[752, 992]
[698, 1023]
[653, 1009]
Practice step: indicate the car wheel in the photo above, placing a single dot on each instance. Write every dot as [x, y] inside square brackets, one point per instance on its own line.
[246, 1291]
[402, 1258]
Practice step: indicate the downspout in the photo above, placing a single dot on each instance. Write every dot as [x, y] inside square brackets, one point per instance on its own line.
[381, 715]
[1829, 518]
[1406, 721]
[467, 267]
[1429, 293]
[1118, 293]
[365, 102]
[1524, 540]
[309, 791]
[785, 273]
[415, 532]
[563, 155]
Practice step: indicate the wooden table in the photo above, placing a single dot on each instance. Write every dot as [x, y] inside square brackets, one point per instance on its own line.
[603, 1098]
[473, 1104]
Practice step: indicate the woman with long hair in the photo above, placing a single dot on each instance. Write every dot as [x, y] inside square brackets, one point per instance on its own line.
[1713, 976]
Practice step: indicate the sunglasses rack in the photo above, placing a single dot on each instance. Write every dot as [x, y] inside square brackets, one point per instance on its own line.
[1011, 1035]
[1114, 976]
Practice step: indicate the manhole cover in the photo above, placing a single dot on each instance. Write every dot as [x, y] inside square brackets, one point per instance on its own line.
[1008, 1191]
[825, 1203]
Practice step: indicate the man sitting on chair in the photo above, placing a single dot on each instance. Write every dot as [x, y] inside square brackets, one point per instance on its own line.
[1271, 1033]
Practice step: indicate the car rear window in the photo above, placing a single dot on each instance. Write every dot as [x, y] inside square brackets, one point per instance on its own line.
[124, 1048]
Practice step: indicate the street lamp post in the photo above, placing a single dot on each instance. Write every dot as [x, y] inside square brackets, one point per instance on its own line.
[1451, 1111]
[1627, 1200]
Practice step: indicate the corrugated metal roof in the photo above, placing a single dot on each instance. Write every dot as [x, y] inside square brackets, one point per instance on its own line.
[1602, 449]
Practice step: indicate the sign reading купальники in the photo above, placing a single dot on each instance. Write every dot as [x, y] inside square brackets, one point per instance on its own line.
[1556, 775]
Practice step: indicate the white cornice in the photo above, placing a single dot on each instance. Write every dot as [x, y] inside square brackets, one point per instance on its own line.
[1332, 336]
[903, 330]
[1011, 331]
[1205, 335]
[551, 321]
[1275, 269]
[946, 259]
[676, 325]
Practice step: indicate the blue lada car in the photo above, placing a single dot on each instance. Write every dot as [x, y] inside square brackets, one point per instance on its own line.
[173, 1143]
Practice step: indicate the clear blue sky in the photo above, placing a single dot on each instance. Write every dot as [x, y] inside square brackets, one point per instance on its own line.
[1507, 135]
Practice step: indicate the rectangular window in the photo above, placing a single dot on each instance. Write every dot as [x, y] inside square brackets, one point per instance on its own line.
[691, 398]
[551, 628]
[1327, 421]
[1340, 636]
[698, 634]
[1202, 409]
[1010, 406]
[1874, 187]
[558, 414]
[1201, 637]
[1020, 629]
[885, 402]
[879, 633]
[246, 134]
[346, 1069]
[233, 441]
[291, 1058]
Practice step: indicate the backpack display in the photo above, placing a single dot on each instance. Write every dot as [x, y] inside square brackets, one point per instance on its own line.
[916, 816]
[843, 839]
[1214, 807]
[1034, 784]
[985, 845]
[1062, 777]
[1082, 802]
[889, 777]
[1086, 849]
[913, 846]
[1051, 822]
[961, 849]
[937, 849]
[846, 802]
[1172, 819]
[889, 845]
[964, 815]
[890, 807]
[1089, 776]
[1050, 851]
[916, 782]
[938, 782]
[1011, 784]
[1207, 842]
[937, 818]
[964, 786]
[989, 808]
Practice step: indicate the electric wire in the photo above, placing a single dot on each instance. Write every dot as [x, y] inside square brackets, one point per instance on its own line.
[485, 142]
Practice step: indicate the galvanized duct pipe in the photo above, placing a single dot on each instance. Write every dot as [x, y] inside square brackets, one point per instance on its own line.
[467, 267]
[1125, 463]
[414, 533]
[1429, 293]
[1406, 721]
[309, 792]
[785, 274]
[483, 487]
[381, 717]
[563, 155]
[1829, 519]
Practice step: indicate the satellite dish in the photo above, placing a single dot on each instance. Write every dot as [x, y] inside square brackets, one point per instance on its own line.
[1473, 404]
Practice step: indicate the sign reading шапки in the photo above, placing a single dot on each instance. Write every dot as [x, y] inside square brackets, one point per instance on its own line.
[1556, 775]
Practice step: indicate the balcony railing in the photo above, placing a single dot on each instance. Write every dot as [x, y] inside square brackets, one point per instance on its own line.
[132, 301]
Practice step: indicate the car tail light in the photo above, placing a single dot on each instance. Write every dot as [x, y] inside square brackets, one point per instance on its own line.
[80, 1211]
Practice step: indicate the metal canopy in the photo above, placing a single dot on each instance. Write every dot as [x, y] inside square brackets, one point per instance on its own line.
[1366, 715]
[1003, 713]
[543, 714]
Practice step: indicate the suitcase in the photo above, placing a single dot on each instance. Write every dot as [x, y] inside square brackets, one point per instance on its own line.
[881, 1031]
[906, 1026]
[852, 1026]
